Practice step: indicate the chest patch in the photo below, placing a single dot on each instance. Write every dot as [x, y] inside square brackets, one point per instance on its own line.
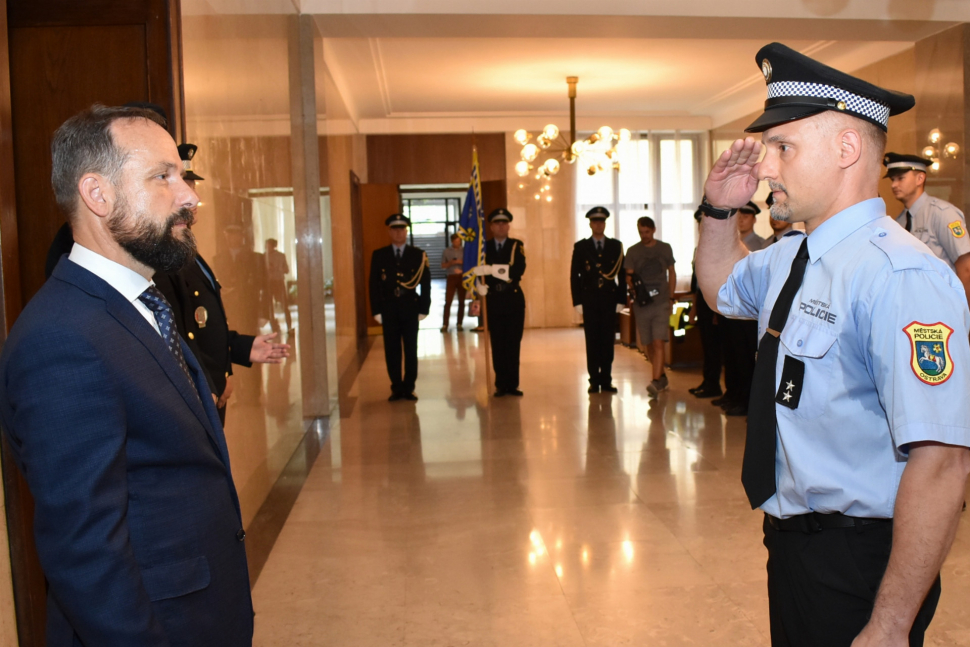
[792, 380]
[957, 229]
[931, 361]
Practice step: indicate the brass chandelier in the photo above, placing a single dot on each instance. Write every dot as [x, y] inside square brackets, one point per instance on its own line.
[595, 153]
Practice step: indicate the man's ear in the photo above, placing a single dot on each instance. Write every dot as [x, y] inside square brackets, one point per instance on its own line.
[850, 147]
[920, 179]
[97, 194]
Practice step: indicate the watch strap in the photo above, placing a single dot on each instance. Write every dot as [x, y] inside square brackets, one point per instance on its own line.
[711, 211]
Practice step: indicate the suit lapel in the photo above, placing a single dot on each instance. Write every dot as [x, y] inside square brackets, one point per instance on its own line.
[214, 428]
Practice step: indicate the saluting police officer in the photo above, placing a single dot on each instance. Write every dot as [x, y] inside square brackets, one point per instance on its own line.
[505, 301]
[935, 222]
[858, 424]
[396, 274]
[598, 296]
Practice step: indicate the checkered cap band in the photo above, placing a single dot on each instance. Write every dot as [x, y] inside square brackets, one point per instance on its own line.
[868, 108]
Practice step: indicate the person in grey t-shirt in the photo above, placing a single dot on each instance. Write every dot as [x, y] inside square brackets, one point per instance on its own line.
[451, 261]
[652, 260]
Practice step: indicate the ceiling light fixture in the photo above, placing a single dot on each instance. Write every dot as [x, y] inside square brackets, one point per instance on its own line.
[935, 150]
[595, 153]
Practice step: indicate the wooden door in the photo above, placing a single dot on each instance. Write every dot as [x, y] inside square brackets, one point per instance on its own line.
[64, 56]
[377, 202]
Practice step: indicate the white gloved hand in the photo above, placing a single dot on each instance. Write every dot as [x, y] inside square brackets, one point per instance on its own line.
[422, 317]
[482, 270]
[579, 310]
[620, 308]
[482, 289]
[378, 318]
[501, 272]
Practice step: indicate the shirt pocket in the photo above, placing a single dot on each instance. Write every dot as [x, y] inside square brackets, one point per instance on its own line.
[817, 348]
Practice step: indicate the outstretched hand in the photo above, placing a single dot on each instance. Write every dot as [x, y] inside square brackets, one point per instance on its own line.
[266, 352]
[734, 178]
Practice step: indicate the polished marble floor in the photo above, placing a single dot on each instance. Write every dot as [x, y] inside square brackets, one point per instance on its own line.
[556, 519]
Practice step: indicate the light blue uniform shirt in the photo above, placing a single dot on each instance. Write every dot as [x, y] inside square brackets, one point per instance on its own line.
[844, 448]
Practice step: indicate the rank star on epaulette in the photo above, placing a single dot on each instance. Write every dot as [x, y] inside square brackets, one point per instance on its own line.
[930, 358]
[792, 379]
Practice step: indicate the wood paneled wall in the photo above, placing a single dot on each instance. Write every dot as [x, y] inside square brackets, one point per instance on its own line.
[433, 159]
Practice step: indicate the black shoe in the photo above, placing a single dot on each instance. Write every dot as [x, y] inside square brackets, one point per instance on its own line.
[593, 389]
[515, 392]
[499, 393]
[737, 410]
[609, 388]
[410, 397]
[700, 387]
[720, 402]
[707, 393]
[395, 397]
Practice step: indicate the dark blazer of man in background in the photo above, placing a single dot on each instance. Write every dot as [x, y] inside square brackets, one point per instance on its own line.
[109, 416]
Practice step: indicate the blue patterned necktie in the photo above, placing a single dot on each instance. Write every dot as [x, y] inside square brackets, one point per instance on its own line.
[165, 318]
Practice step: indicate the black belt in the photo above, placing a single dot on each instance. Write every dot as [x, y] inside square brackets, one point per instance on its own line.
[816, 522]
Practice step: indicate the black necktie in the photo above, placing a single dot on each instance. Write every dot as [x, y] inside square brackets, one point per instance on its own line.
[599, 246]
[397, 253]
[909, 221]
[758, 465]
[165, 318]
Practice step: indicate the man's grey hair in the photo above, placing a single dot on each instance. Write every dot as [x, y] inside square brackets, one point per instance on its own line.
[83, 144]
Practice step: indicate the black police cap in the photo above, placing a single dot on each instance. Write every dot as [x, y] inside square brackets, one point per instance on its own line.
[598, 213]
[800, 87]
[897, 164]
[751, 208]
[500, 215]
[186, 153]
[397, 220]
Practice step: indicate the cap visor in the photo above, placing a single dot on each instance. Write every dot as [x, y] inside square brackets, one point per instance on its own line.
[781, 115]
[189, 175]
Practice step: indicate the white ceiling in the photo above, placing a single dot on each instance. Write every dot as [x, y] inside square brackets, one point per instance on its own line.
[422, 71]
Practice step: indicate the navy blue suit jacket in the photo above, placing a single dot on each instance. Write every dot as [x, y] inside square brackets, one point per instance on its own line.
[137, 520]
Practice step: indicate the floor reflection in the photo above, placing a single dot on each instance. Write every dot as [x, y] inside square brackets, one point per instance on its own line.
[559, 518]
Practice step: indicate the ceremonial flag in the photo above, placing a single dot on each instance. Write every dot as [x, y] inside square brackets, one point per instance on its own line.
[470, 227]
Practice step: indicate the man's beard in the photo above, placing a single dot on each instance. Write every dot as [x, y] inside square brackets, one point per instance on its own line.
[151, 243]
[781, 210]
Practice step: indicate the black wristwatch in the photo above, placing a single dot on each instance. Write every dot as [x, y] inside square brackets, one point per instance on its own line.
[711, 211]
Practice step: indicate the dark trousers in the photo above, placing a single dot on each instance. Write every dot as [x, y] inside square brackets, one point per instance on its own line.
[740, 346]
[506, 320]
[711, 331]
[400, 326]
[454, 284]
[599, 326]
[822, 586]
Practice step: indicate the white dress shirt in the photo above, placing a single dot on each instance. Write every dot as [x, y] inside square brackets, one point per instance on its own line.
[128, 282]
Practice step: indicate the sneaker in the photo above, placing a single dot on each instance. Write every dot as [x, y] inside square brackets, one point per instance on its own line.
[663, 381]
[654, 388]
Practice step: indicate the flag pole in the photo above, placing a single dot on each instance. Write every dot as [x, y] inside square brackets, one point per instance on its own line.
[481, 281]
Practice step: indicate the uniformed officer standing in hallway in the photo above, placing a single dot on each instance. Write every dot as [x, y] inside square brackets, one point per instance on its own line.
[858, 424]
[779, 227]
[195, 296]
[937, 223]
[598, 296]
[396, 274]
[505, 301]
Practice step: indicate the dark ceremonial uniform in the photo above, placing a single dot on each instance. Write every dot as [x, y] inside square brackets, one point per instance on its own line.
[594, 284]
[506, 312]
[195, 296]
[394, 295]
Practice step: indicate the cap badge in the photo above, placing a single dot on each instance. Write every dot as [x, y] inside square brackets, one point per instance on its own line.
[766, 69]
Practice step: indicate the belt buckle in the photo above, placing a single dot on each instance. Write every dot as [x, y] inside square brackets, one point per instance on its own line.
[500, 287]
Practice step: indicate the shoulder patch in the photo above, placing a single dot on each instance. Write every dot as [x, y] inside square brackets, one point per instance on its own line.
[930, 359]
[957, 229]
